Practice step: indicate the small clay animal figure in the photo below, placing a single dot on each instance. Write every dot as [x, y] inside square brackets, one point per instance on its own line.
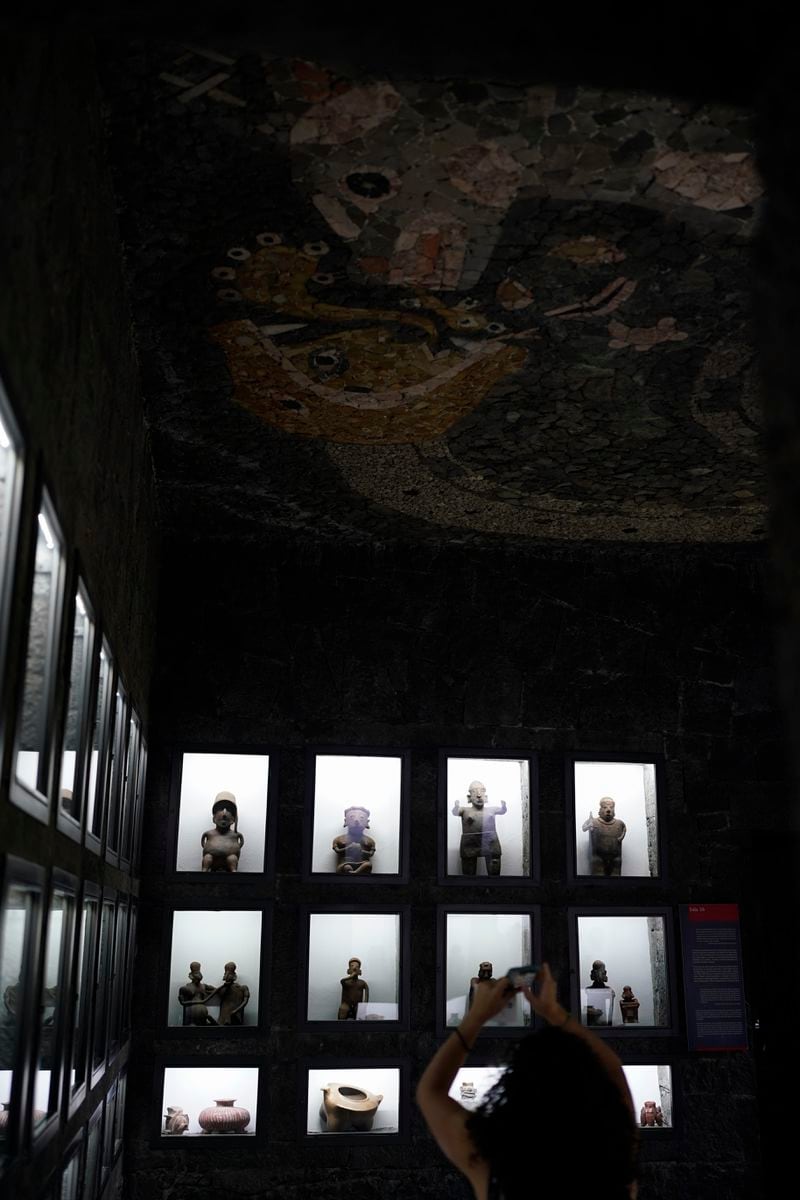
[222, 845]
[651, 1115]
[175, 1121]
[354, 849]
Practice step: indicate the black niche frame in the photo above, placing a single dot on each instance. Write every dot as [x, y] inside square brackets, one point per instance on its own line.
[254, 1140]
[617, 881]
[194, 1032]
[176, 753]
[374, 878]
[533, 912]
[339, 1063]
[627, 1031]
[350, 1028]
[634, 1059]
[534, 844]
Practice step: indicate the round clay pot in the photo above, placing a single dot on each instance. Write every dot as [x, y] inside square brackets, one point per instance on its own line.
[223, 1117]
[345, 1108]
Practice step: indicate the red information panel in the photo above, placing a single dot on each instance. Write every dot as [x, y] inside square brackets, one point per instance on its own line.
[713, 985]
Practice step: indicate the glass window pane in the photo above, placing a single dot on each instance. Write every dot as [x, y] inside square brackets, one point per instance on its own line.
[101, 989]
[71, 1177]
[42, 631]
[84, 979]
[92, 1158]
[49, 1005]
[17, 932]
[95, 795]
[73, 724]
[129, 786]
[118, 974]
[9, 468]
[117, 748]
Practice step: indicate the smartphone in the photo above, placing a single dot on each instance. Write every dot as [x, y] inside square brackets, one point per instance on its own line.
[522, 976]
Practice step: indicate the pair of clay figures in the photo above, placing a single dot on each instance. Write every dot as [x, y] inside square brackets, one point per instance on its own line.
[222, 845]
[600, 1014]
[195, 996]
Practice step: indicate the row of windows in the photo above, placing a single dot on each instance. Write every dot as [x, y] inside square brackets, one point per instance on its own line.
[66, 959]
[78, 746]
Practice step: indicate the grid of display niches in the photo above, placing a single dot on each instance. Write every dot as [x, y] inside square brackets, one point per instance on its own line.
[74, 757]
[356, 835]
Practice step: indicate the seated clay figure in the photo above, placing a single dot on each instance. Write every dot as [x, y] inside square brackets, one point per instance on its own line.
[354, 849]
[606, 832]
[599, 997]
[354, 991]
[233, 997]
[222, 845]
[651, 1115]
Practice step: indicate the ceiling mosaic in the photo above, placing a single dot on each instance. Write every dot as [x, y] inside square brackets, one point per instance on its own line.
[442, 306]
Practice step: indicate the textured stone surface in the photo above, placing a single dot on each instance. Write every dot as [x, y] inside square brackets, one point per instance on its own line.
[374, 305]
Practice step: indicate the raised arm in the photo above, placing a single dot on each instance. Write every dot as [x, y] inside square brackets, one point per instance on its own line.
[544, 1003]
[445, 1117]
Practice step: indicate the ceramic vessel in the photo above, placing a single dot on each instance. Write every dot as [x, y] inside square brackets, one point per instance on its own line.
[175, 1120]
[224, 1117]
[346, 1108]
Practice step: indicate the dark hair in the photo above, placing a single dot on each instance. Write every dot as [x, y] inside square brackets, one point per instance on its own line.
[555, 1109]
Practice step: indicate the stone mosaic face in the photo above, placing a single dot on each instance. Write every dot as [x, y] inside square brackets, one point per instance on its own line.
[510, 310]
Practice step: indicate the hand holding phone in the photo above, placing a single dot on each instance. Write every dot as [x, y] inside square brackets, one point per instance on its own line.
[520, 977]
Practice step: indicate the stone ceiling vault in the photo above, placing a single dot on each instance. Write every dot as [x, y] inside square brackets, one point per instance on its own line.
[371, 305]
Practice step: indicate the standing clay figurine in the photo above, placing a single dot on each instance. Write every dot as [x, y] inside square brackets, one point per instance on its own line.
[478, 833]
[193, 997]
[233, 997]
[468, 1090]
[599, 997]
[484, 973]
[605, 833]
[651, 1115]
[222, 845]
[346, 1108]
[175, 1121]
[354, 991]
[354, 849]
[629, 1007]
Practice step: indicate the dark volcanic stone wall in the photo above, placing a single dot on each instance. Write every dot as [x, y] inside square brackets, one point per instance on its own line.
[663, 652]
[67, 353]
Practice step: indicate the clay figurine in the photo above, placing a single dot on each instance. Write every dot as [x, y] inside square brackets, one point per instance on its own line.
[175, 1121]
[599, 996]
[478, 833]
[222, 845]
[629, 1007]
[354, 991]
[233, 997]
[193, 997]
[651, 1115]
[354, 849]
[468, 1090]
[605, 833]
[484, 972]
[346, 1108]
